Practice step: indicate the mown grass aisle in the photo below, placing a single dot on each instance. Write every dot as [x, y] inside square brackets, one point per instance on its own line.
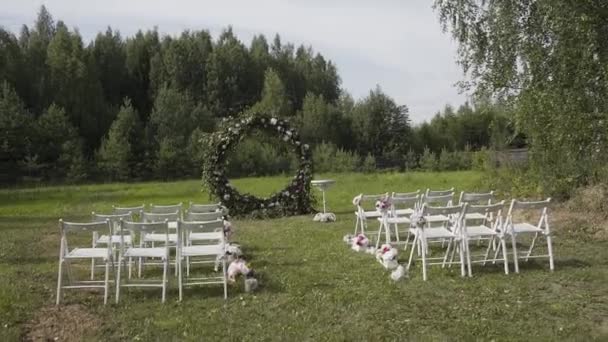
[313, 287]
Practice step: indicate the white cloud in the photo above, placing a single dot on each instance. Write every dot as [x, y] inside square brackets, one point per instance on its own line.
[396, 44]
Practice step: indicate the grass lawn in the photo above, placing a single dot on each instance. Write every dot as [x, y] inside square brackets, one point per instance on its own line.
[312, 286]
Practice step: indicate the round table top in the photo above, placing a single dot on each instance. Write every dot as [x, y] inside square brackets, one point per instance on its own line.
[322, 183]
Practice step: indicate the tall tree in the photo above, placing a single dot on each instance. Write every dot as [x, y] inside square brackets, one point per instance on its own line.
[121, 153]
[274, 98]
[550, 59]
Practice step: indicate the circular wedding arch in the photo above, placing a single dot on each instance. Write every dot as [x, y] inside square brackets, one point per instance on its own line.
[295, 199]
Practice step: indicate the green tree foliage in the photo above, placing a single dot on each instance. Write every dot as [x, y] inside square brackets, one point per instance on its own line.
[274, 98]
[121, 154]
[428, 160]
[53, 130]
[380, 125]
[16, 127]
[549, 58]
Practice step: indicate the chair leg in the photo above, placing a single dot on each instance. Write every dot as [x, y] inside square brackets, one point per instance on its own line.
[179, 278]
[514, 247]
[447, 252]
[356, 225]
[409, 262]
[461, 255]
[92, 269]
[165, 269]
[139, 267]
[407, 240]
[59, 282]
[505, 259]
[531, 247]
[423, 247]
[130, 267]
[118, 279]
[550, 248]
[106, 283]
[485, 257]
[467, 252]
[224, 276]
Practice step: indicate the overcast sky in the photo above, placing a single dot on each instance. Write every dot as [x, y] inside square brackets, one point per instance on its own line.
[396, 44]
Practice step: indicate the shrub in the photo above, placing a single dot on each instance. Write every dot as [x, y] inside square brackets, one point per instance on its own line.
[368, 164]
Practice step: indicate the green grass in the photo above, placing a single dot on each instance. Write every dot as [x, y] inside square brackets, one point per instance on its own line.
[313, 287]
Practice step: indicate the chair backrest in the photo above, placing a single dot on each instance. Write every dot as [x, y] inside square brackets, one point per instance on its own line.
[165, 209]
[204, 208]
[160, 217]
[204, 216]
[404, 202]
[446, 210]
[214, 230]
[434, 193]
[541, 206]
[137, 210]
[493, 209]
[442, 200]
[476, 198]
[406, 194]
[73, 228]
[113, 218]
[159, 227]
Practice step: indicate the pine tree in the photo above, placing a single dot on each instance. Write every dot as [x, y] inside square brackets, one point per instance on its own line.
[120, 153]
[15, 124]
[274, 99]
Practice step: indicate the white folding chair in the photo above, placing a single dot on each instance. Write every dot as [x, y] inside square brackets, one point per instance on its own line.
[207, 208]
[143, 252]
[153, 238]
[515, 229]
[423, 235]
[490, 228]
[444, 200]
[362, 214]
[67, 255]
[135, 211]
[210, 232]
[476, 199]
[105, 239]
[399, 224]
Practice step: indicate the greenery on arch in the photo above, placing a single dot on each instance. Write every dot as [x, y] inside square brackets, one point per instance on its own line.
[295, 199]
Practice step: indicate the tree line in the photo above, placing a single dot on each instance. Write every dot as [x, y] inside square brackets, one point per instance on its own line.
[137, 108]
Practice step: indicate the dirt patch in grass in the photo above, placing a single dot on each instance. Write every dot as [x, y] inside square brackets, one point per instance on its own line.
[62, 323]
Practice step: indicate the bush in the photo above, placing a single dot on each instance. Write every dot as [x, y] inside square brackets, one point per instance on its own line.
[428, 161]
[368, 164]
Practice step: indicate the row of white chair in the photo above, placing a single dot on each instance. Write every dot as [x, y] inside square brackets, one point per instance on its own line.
[432, 217]
[125, 240]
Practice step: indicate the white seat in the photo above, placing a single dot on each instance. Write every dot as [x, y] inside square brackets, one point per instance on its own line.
[402, 212]
[150, 252]
[202, 236]
[154, 237]
[525, 228]
[480, 230]
[104, 239]
[172, 224]
[87, 253]
[474, 216]
[202, 250]
[369, 214]
[436, 218]
[395, 220]
[437, 233]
